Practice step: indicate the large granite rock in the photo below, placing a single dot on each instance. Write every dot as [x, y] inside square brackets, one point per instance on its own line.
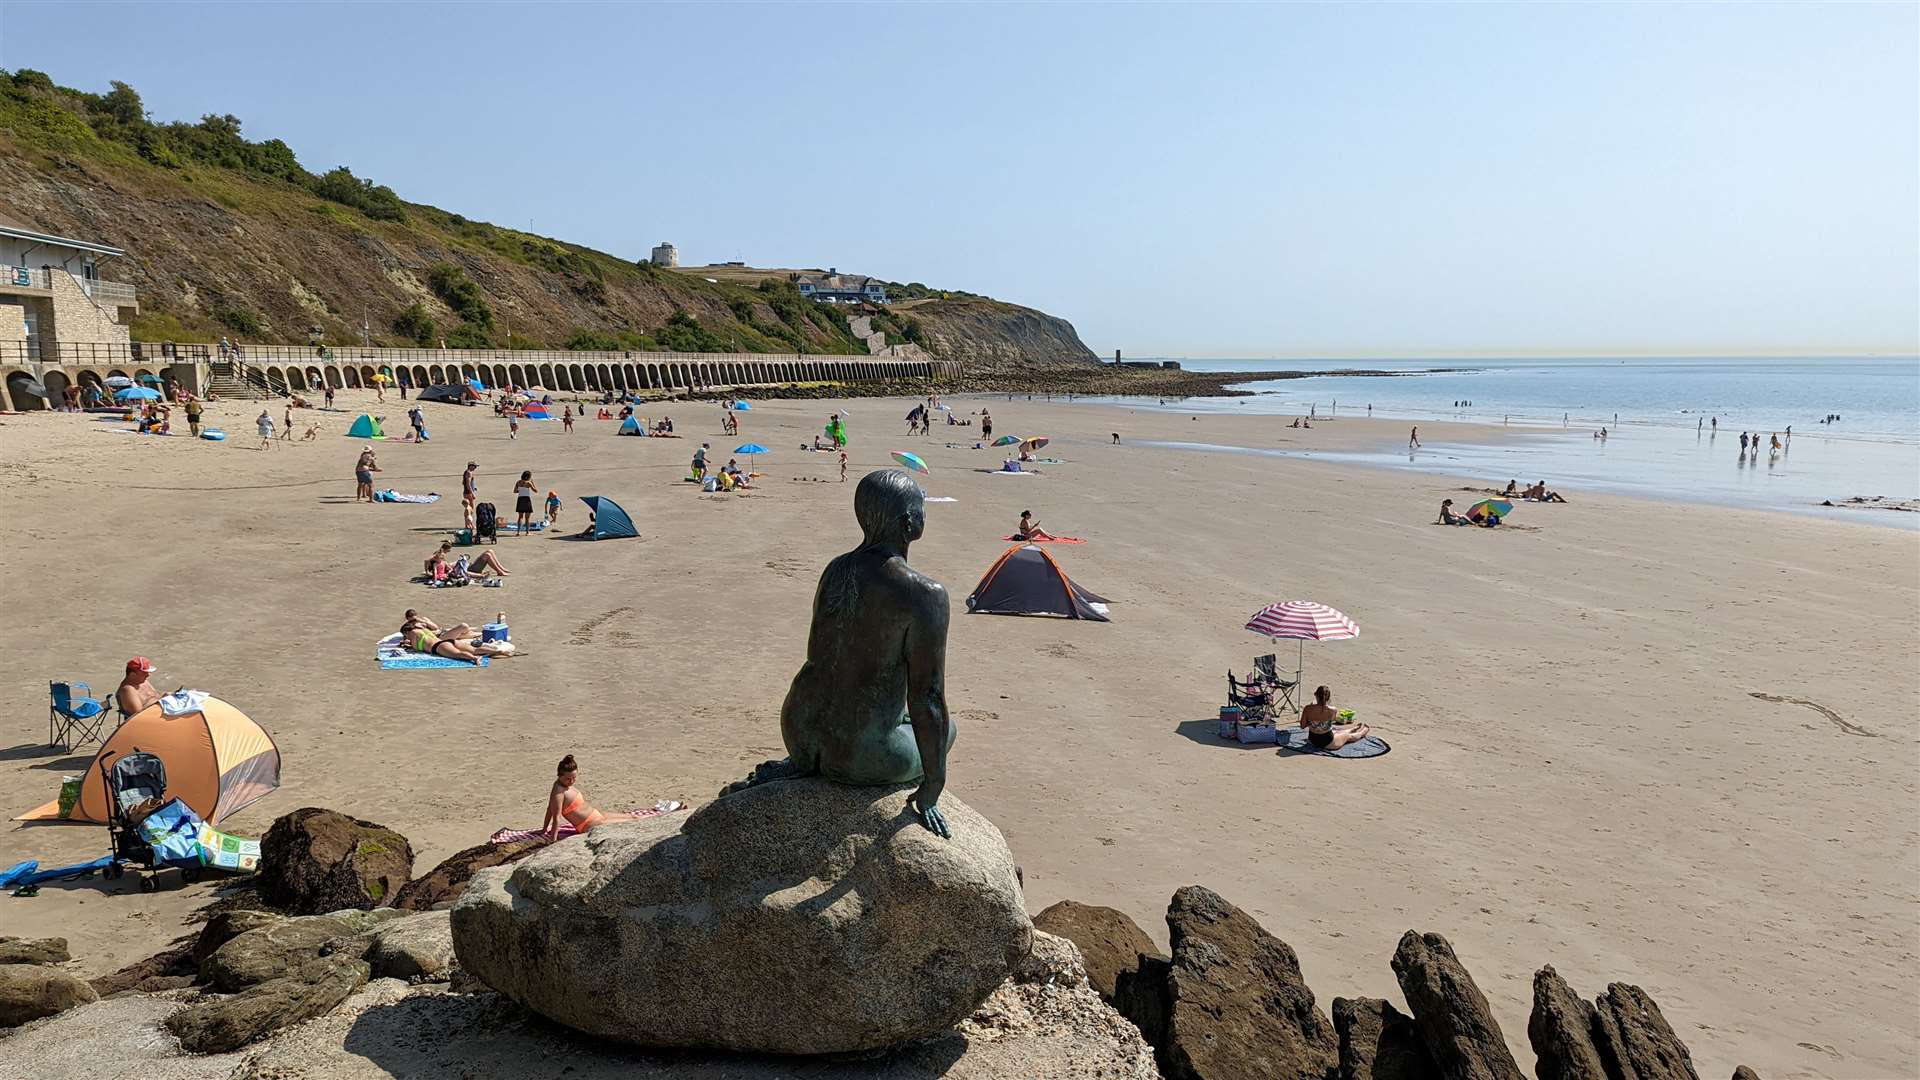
[443, 884]
[1634, 1039]
[795, 917]
[417, 947]
[270, 951]
[223, 926]
[31, 991]
[1109, 942]
[51, 950]
[1454, 1019]
[1379, 1042]
[1234, 1003]
[1741, 1072]
[311, 989]
[1561, 1030]
[314, 861]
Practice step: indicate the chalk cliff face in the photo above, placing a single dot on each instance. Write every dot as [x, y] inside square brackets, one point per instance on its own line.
[988, 335]
[217, 249]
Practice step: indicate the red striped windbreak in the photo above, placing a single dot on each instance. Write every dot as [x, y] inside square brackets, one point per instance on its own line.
[1303, 619]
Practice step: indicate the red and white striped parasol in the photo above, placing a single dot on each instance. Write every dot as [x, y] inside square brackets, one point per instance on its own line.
[1304, 620]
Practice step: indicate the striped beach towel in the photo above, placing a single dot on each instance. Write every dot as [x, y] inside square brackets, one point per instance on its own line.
[509, 836]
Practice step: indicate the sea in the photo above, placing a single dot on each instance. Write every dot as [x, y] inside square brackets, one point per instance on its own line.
[1672, 426]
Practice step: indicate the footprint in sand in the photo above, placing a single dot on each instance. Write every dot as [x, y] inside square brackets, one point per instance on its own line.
[1843, 725]
[583, 634]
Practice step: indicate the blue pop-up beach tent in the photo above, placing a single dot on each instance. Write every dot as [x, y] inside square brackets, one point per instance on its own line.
[630, 426]
[610, 522]
[365, 426]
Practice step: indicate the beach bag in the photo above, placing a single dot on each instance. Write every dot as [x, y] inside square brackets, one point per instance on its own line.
[173, 831]
[486, 522]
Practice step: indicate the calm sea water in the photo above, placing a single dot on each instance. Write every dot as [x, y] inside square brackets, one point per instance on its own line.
[1659, 417]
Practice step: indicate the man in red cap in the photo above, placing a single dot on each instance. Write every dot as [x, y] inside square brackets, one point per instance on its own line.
[136, 693]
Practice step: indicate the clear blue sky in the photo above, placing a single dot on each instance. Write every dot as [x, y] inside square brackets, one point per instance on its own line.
[1195, 180]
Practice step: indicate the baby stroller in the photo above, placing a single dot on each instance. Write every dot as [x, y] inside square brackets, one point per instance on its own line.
[134, 779]
[486, 523]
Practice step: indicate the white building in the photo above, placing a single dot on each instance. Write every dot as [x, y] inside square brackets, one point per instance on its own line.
[664, 254]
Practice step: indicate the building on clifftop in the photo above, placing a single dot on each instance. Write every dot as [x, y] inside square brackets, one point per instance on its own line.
[664, 254]
[834, 287]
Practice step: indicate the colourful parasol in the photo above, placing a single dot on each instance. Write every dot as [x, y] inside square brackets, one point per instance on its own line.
[1305, 621]
[1006, 440]
[911, 460]
[1497, 507]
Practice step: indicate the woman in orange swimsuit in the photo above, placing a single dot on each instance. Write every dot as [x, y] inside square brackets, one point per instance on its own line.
[569, 802]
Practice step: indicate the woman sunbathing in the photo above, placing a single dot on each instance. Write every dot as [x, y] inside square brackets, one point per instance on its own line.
[567, 801]
[1029, 528]
[1322, 731]
[479, 566]
[1448, 517]
[423, 635]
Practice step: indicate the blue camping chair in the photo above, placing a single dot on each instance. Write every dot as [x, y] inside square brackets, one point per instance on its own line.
[74, 719]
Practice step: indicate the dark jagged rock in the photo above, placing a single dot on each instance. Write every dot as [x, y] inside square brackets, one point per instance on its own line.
[1141, 996]
[1108, 940]
[51, 950]
[1634, 1039]
[223, 926]
[1379, 1042]
[1233, 1004]
[270, 950]
[1561, 1031]
[314, 861]
[31, 991]
[1741, 1072]
[171, 965]
[312, 989]
[1454, 1019]
[444, 883]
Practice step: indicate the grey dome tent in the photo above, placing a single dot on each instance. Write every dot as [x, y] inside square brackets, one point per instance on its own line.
[610, 522]
[1026, 581]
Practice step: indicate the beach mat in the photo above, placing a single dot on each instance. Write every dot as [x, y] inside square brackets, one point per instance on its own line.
[422, 660]
[1294, 740]
[514, 526]
[392, 496]
[1048, 540]
[512, 836]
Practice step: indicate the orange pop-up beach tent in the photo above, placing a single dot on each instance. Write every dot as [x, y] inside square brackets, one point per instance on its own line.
[218, 761]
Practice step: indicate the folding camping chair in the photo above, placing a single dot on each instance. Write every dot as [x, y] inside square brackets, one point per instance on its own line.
[71, 715]
[1269, 668]
[1253, 698]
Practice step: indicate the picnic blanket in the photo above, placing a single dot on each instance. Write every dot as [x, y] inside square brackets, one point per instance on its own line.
[1295, 740]
[514, 526]
[510, 836]
[393, 654]
[391, 495]
[1048, 540]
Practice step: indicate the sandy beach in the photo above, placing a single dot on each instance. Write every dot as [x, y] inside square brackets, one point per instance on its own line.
[1588, 765]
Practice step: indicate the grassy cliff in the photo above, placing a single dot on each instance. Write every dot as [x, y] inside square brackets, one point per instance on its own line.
[225, 235]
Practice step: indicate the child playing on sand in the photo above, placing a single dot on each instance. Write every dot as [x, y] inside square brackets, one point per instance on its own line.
[843, 466]
[513, 425]
[553, 508]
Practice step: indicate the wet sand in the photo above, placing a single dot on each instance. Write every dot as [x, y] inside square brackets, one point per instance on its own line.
[1585, 771]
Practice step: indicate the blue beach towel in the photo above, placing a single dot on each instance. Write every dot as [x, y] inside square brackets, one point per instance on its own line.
[422, 660]
[76, 870]
[17, 872]
[1294, 740]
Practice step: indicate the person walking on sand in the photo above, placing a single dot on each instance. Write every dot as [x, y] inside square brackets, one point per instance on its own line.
[843, 466]
[513, 425]
[329, 397]
[1413, 439]
[193, 416]
[265, 423]
[986, 424]
[1743, 444]
[566, 419]
[287, 432]
[363, 471]
[523, 502]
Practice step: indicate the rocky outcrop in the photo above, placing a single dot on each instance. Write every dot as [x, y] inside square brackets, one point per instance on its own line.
[1378, 1042]
[51, 950]
[31, 991]
[1234, 1002]
[270, 951]
[315, 860]
[168, 969]
[1108, 940]
[415, 948]
[987, 335]
[1621, 1036]
[311, 989]
[443, 884]
[223, 926]
[1634, 1039]
[1452, 1014]
[1741, 1072]
[1561, 1031]
[794, 917]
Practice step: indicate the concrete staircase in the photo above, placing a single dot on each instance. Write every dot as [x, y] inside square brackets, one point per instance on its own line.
[225, 382]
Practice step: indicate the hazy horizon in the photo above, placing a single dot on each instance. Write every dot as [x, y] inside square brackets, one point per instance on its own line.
[1340, 182]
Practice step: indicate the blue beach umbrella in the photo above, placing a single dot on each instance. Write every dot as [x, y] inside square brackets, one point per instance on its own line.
[750, 449]
[153, 380]
[476, 384]
[137, 393]
[741, 405]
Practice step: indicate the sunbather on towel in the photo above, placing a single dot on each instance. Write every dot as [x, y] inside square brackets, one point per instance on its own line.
[569, 802]
[1318, 718]
[457, 642]
[480, 565]
[1029, 528]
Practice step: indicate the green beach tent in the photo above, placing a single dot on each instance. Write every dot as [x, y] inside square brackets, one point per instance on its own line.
[366, 426]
